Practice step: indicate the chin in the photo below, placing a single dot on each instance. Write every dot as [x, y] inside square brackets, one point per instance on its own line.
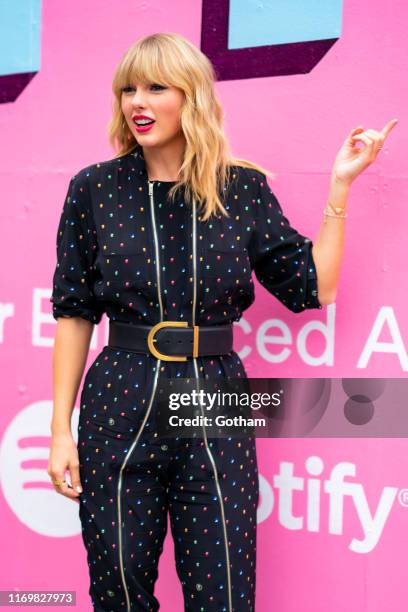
[148, 142]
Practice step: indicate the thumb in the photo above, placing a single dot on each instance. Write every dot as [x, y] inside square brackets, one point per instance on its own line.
[359, 128]
[75, 479]
[349, 140]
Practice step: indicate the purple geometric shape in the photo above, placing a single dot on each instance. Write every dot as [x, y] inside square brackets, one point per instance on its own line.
[11, 85]
[253, 62]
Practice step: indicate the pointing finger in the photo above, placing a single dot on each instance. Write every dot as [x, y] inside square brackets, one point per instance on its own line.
[389, 126]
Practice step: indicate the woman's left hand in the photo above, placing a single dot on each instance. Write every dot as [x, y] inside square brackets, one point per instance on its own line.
[352, 160]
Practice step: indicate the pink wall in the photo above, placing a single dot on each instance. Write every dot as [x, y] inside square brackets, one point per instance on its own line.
[56, 126]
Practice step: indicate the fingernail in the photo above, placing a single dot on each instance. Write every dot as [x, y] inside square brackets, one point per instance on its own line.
[79, 489]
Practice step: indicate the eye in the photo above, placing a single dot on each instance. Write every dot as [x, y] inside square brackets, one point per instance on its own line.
[129, 88]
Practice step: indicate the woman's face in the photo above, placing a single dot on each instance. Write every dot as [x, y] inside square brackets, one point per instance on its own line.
[162, 104]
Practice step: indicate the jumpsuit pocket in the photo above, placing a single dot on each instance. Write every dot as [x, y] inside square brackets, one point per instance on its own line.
[226, 273]
[107, 424]
[125, 268]
[126, 275]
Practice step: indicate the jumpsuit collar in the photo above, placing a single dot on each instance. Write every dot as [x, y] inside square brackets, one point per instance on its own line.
[138, 158]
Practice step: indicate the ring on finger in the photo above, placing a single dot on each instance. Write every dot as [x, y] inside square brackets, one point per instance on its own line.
[57, 483]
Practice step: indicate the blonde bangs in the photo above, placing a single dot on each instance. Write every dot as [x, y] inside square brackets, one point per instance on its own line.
[146, 63]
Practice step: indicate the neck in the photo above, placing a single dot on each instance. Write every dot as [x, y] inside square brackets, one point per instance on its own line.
[163, 162]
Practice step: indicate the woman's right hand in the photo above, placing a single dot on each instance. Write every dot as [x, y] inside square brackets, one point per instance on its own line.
[64, 457]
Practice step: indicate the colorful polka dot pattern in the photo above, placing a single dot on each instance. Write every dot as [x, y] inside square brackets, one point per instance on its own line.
[164, 476]
[106, 262]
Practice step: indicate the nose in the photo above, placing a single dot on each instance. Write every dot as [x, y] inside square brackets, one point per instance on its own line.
[138, 99]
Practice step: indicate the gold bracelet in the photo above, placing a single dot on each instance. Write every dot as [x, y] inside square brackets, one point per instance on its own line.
[330, 214]
[336, 211]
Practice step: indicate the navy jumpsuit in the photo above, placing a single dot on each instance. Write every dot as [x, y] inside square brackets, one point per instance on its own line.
[124, 250]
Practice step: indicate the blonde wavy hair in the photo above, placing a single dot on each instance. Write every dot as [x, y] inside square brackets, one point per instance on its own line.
[170, 59]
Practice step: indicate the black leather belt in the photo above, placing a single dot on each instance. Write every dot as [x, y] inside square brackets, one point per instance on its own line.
[172, 340]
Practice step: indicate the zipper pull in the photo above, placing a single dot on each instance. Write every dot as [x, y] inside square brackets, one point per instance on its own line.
[150, 187]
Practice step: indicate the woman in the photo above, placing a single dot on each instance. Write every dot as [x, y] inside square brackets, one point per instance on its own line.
[169, 231]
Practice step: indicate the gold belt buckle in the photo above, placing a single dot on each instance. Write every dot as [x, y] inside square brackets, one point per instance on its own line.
[151, 339]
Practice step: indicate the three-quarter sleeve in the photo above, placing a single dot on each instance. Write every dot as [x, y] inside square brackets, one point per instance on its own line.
[280, 256]
[72, 294]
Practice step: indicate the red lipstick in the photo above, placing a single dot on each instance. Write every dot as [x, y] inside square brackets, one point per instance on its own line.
[143, 123]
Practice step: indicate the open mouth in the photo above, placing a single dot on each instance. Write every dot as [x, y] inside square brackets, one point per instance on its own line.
[143, 125]
[142, 122]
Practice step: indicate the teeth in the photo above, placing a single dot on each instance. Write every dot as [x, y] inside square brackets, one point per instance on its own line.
[143, 121]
